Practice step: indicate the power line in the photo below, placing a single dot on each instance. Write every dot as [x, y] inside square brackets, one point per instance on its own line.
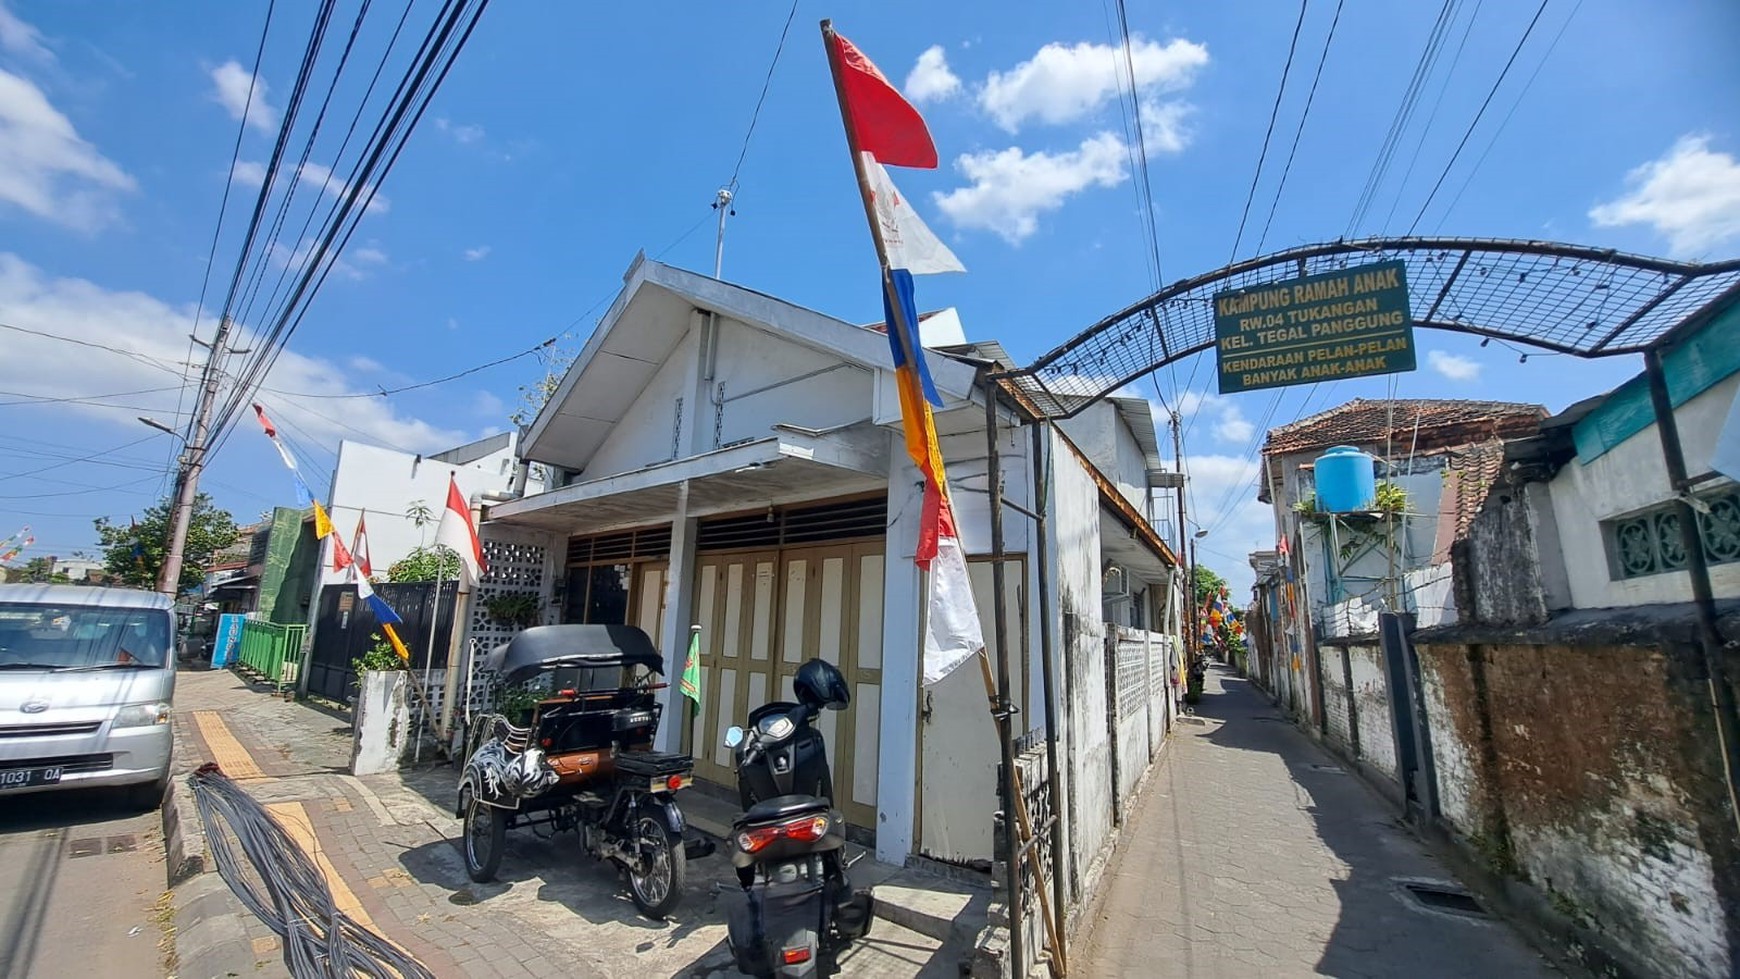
[385, 392]
[81, 492]
[141, 358]
[1404, 112]
[766, 83]
[1477, 116]
[1507, 116]
[1300, 131]
[26, 398]
[1273, 114]
[1431, 117]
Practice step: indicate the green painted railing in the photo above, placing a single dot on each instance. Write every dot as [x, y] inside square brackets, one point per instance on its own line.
[272, 652]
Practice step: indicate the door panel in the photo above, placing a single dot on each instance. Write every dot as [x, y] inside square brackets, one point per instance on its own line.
[958, 739]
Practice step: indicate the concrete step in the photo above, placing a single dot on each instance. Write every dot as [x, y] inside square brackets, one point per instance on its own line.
[942, 909]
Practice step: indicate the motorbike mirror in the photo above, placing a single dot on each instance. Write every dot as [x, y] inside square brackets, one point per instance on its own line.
[733, 737]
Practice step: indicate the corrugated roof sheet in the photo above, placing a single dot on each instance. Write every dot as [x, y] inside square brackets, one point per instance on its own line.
[1364, 421]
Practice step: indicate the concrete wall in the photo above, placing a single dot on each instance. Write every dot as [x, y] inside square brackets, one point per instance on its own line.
[1628, 478]
[384, 482]
[1590, 773]
[1074, 524]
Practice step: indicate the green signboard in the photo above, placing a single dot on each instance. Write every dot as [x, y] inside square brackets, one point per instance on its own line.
[1347, 323]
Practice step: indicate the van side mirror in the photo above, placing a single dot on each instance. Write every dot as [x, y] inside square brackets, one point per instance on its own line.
[733, 737]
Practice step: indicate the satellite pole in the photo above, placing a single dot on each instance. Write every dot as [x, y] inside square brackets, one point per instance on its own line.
[722, 204]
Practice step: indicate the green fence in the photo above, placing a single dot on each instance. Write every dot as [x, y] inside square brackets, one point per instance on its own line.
[272, 652]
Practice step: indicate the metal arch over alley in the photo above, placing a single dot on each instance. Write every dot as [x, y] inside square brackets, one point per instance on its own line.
[1564, 298]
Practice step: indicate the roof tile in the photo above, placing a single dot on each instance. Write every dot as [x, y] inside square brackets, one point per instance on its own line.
[1433, 421]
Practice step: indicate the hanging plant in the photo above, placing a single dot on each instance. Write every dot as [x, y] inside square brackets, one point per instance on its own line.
[517, 610]
[1364, 528]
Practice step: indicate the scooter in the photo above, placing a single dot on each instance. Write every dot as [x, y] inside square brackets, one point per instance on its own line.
[798, 909]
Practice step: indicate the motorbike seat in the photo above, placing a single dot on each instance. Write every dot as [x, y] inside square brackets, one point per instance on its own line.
[784, 807]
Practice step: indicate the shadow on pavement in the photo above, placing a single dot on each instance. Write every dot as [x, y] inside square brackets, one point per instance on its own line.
[1380, 930]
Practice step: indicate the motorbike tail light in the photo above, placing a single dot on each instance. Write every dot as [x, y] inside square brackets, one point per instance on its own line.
[675, 782]
[752, 840]
[806, 830]
[795, 956]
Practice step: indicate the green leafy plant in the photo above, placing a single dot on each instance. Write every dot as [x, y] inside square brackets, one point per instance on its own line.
[380, 657]
[516, 700]
[517, 610]
[426, 564]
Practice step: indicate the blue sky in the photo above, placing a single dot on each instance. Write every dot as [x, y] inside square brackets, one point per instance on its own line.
[569, 136]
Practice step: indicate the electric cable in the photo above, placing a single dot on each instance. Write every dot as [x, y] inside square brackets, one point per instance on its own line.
[1404, 113]
[1274, 112]
[1310, 97]
[1460, 146]
[766, 83]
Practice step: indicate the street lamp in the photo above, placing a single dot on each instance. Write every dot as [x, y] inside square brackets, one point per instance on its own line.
[154, 423]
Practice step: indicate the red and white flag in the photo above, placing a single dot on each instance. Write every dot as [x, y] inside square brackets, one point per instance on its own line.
[341, 558]
[359, 548]
[458, 532]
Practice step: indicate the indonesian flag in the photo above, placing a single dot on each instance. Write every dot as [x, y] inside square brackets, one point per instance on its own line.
[359, 548]
[884, 129]
[340, 556]
[459, 533]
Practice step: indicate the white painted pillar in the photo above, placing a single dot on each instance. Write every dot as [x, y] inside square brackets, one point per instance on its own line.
[673, 638]
[897, 751]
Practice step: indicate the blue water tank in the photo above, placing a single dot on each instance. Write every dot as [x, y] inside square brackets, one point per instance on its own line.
[1346, 480]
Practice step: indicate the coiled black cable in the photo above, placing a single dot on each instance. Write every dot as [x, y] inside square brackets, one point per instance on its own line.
[320, 941]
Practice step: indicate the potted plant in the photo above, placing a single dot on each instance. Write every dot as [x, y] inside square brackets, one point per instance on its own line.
[515, 610]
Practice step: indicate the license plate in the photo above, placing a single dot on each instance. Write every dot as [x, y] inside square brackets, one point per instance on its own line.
[20, 778]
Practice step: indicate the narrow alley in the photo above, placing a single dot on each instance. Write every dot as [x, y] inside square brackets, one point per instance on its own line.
[1255, 853]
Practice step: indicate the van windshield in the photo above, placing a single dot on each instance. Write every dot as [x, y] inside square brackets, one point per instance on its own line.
[75, 636]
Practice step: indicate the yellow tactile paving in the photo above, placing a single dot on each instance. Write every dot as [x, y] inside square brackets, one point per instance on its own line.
[294, 818]
[225, 749]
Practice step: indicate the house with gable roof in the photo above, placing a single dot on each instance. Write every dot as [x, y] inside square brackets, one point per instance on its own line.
[727, 460]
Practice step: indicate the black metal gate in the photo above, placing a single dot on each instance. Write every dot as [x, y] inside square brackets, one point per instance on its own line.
[345, 628]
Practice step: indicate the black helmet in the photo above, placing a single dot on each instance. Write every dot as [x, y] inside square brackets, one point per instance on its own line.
[819, 684]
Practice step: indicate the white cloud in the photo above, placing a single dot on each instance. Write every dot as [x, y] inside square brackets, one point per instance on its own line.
[461, 133]
[352, 265]
[930, 79]
[366, 365]
[1223, 497]
[1453, 366]
[1010, 188]
[46, 169]
[311, 174]
[1061, 84]
[230, 89]
[1216, 414]
[148, 340]
[19, 38]
[1163, 129]
[369, 255]
[1691, 196]
[477, 254]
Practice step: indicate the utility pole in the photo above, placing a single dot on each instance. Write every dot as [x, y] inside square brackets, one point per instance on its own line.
[1190, 562]
[192, 462]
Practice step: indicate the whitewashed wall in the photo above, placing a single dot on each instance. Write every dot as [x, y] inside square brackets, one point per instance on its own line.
[751, 359]
[384, 483]
[1628, 478]
[646, 434]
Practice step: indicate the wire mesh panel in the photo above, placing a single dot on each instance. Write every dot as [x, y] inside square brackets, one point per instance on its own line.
[1570, 299]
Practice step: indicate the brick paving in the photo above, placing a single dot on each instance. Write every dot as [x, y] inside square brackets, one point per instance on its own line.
[391, 838]
[1253, 853]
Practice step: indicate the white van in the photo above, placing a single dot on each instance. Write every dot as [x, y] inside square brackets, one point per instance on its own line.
[87, 678]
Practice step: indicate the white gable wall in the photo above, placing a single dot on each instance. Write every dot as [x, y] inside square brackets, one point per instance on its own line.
[753, 360]
[647, 432]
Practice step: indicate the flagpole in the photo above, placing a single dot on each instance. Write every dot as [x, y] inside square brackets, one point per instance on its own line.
[429, 656]
[1001, 708]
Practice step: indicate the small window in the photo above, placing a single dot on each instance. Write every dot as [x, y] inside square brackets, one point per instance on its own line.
[1651, 542]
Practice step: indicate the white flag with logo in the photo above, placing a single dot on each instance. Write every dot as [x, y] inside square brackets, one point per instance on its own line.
[908, 241]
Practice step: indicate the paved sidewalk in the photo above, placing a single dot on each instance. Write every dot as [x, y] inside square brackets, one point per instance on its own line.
[1252, 852]
[386, 844]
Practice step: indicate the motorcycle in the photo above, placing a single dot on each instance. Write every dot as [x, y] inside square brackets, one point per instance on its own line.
[798, 908]
[582, 762]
